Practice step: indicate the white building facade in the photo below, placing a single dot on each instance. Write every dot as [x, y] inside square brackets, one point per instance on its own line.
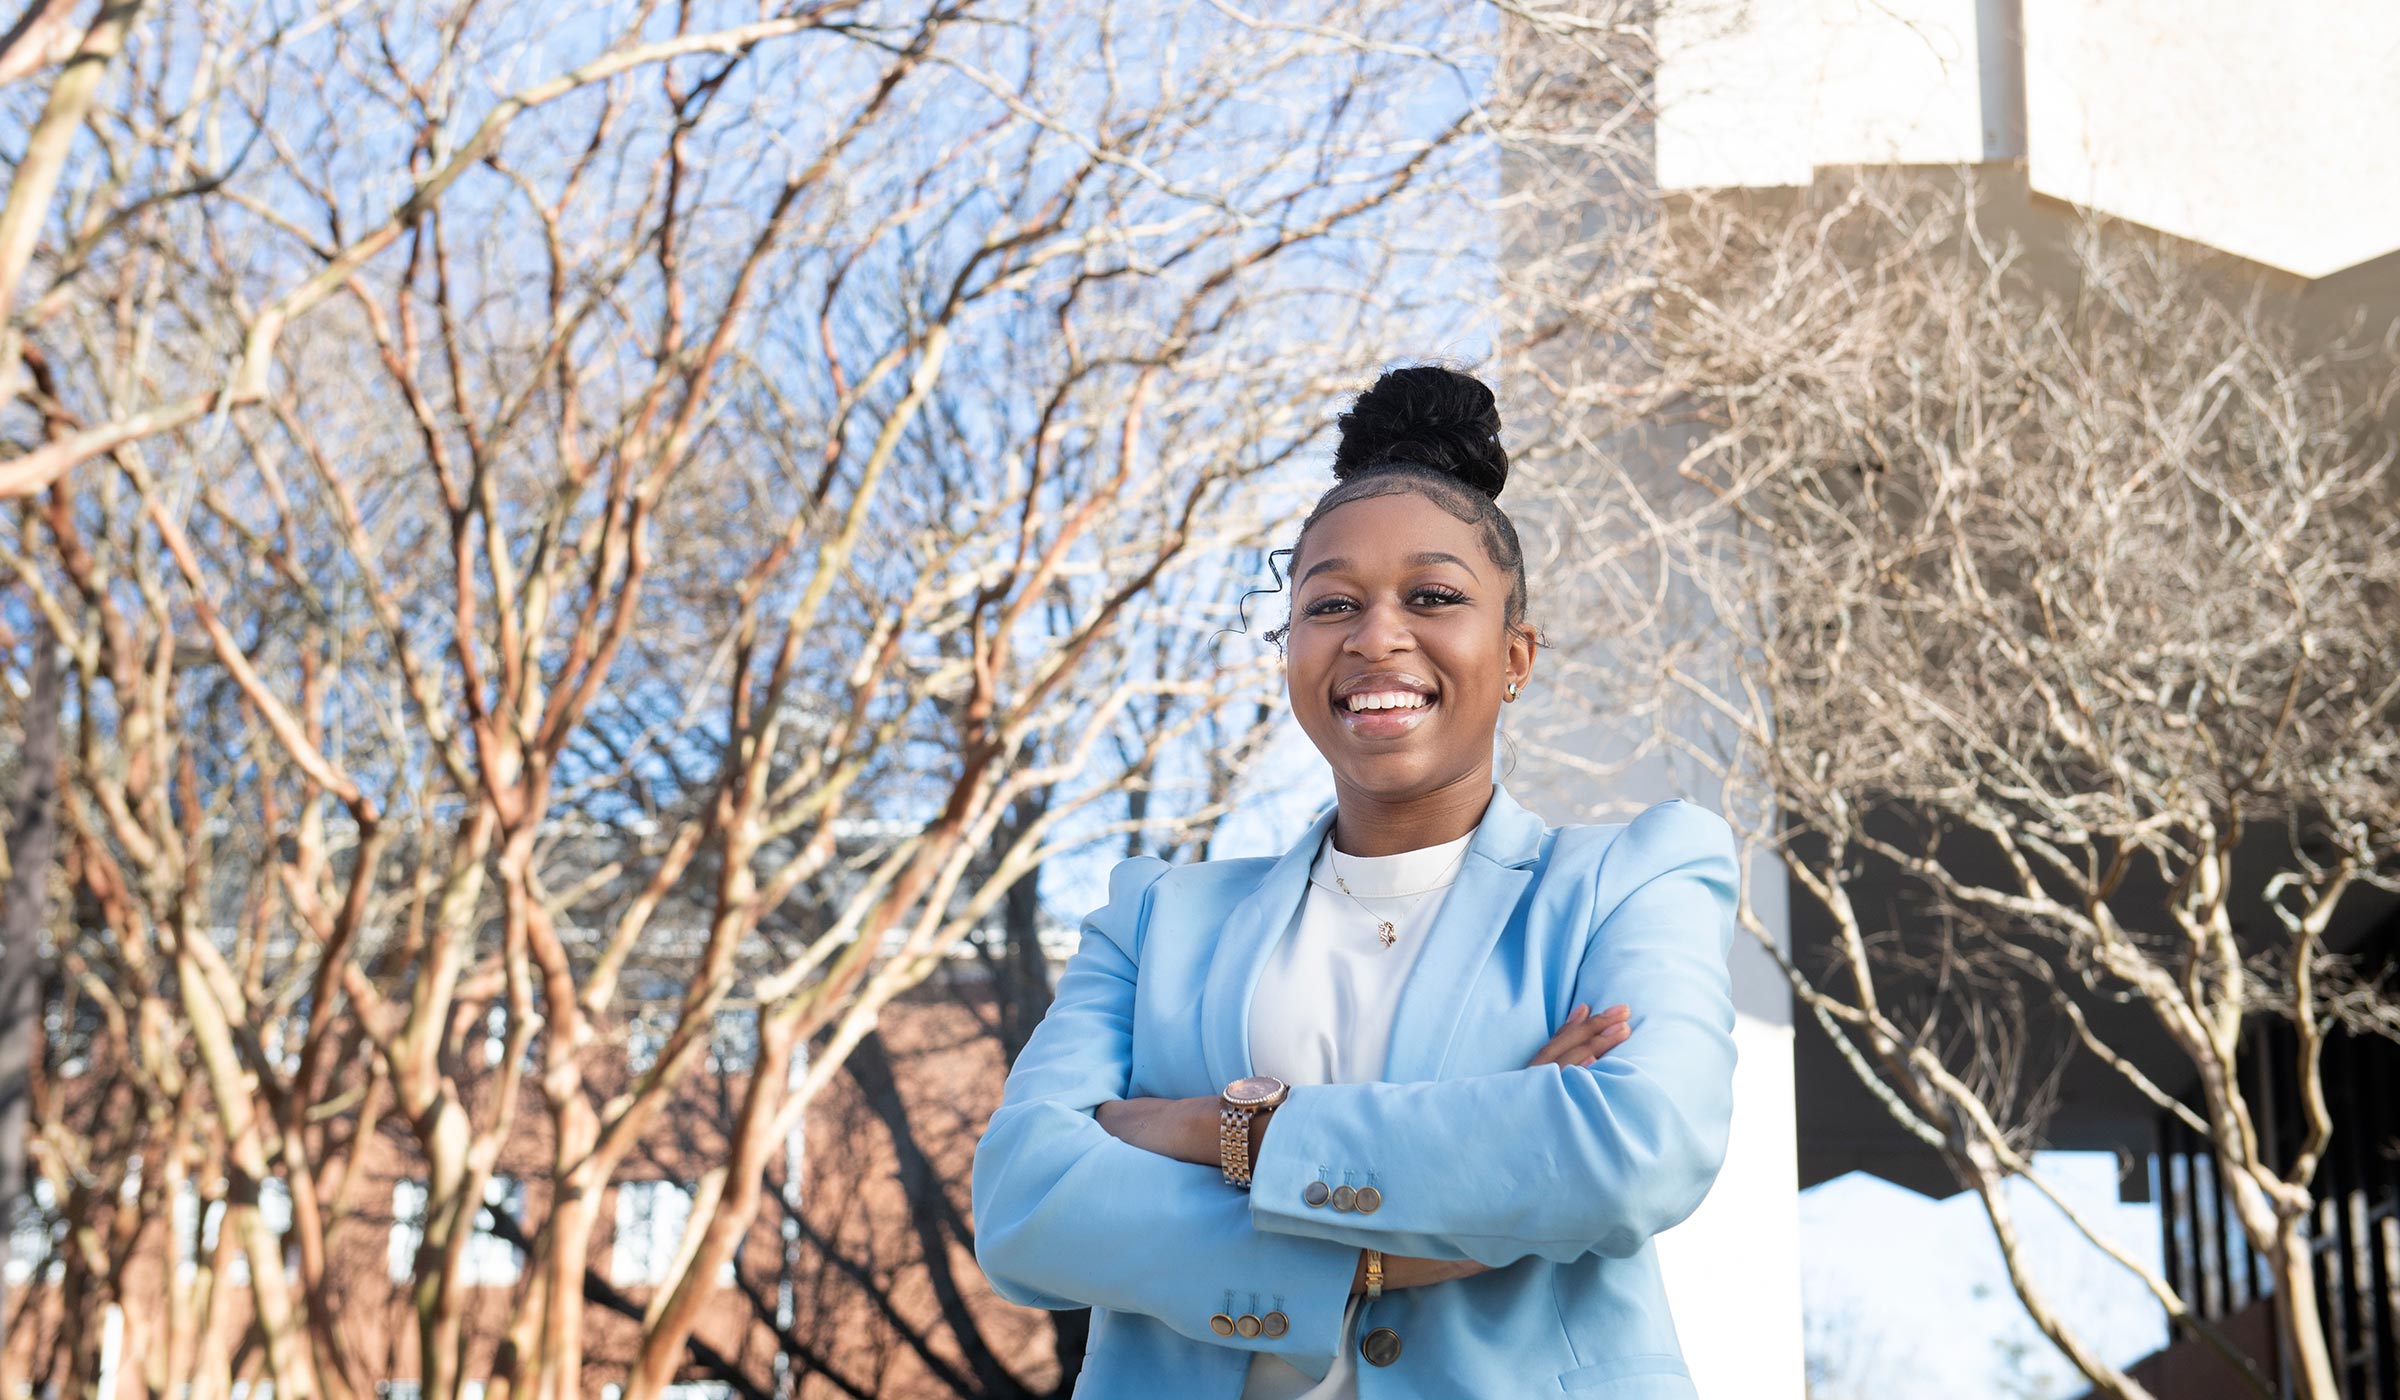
[2270, 132]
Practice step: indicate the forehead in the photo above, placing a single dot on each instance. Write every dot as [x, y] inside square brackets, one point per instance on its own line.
[1385, 534]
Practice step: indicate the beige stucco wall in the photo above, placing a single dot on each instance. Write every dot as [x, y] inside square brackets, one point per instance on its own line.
[2271, 131]
[2268, 131]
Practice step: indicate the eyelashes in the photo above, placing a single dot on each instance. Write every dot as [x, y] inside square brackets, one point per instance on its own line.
[1434, 591]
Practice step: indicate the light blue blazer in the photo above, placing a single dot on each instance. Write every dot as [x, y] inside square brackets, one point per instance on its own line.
[1557, 1177]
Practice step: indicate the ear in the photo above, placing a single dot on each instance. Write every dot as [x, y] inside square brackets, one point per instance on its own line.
[1521, 649]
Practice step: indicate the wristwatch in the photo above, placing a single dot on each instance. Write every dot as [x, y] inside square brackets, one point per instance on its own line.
[1241, 1099]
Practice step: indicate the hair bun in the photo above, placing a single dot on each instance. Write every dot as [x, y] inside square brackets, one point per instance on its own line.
[1429, 415]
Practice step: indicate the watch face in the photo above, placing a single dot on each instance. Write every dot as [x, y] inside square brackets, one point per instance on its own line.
[1257, 1089]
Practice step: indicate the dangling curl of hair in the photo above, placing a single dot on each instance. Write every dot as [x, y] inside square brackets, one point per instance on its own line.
[1435, 431]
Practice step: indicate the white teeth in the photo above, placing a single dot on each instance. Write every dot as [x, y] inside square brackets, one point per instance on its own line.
[1388, 700]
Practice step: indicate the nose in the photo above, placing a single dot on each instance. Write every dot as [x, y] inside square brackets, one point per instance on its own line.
[1380, 629]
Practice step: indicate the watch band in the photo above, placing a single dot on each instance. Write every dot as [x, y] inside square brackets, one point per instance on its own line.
[1239, 1105]
[1233, 1144]
[1374, 1273]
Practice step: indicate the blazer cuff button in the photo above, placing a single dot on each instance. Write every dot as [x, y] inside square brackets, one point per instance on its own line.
[1275, 1324]
[1247, 1324]
[1381, 1347]
[1221, 1324]
[1344, 1198]
[1368, 1199]
[1316, 1193]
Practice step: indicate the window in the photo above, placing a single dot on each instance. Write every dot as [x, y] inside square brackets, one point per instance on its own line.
[488, 1260]
[795, 1143]
[650, 1220]
[408, 1230]
[644, 1038]
[491, 1259]
[733, 1042]
[68, 1035]
[30, 1236]
[286, 1039]
[196, 1228]
[495, 1040]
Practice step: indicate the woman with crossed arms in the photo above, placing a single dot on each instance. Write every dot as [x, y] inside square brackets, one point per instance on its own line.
[1343, 1123]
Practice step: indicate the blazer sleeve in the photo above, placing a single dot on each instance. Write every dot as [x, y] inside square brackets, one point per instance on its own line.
[1556, 1161]
[1068, 1216]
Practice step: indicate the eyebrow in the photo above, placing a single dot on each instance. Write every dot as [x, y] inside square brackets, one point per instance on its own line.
[1425, 556]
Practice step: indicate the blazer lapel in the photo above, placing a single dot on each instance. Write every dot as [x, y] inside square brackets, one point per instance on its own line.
[1491, 881]
[1244, 941]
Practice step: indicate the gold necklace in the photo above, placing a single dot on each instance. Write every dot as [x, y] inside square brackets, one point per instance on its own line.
[1384, 930]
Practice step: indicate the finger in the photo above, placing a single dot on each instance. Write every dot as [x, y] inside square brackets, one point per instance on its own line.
[1580, 1026]
[1577, 1038]
[1598, 1042]
[1575, 1018]
[1564, 1050]
[1593, 1028]
[1583, 1021]
[1606, 1042]
[1560, 1047]
[1612, 1035]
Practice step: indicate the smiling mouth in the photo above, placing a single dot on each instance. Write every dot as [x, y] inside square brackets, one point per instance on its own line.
[1383, 714]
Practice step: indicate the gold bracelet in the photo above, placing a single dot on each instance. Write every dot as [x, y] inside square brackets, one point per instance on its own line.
[1374, 1273]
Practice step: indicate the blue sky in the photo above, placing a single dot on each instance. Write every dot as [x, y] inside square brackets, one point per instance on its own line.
[1906, 1296]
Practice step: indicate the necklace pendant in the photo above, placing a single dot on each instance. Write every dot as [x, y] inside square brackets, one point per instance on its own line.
[1385, 932]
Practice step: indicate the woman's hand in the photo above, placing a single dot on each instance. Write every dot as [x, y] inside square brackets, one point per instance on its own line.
[1585, 1037]
[1184, 1129]
[1582, 1040]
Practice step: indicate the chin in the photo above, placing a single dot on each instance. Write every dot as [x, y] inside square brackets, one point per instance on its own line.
[1391, 775]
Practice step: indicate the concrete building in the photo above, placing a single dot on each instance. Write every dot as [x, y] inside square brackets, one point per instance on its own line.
[2267, 133]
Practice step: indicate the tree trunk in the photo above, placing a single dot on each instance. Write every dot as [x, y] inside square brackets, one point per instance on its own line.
[2311, 1364]
[24, 912]
[572, 1215]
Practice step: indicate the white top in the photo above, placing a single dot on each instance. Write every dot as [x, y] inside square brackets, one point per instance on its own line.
[1322, 1014]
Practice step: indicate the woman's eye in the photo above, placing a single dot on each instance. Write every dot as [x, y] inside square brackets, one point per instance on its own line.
[1430, 593]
